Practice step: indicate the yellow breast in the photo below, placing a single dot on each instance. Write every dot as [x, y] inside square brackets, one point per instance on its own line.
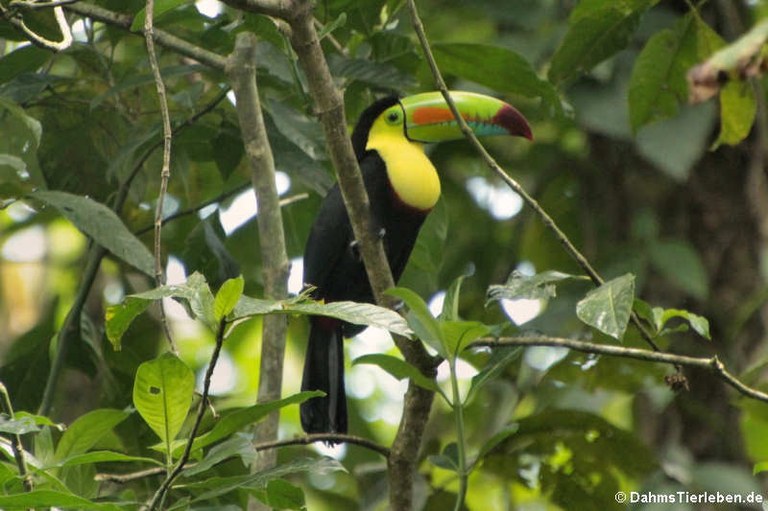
[413, 177]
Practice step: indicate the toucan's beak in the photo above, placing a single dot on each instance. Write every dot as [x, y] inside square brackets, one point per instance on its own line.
[428, 118]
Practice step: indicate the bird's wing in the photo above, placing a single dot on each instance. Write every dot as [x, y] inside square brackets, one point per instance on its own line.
[328, 239]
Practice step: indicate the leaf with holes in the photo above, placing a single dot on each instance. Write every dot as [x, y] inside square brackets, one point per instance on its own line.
[162, 394]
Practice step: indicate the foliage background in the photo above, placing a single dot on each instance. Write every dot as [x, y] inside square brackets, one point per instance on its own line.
[641, 181]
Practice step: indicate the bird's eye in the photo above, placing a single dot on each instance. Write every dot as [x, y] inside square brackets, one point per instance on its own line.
[393, 117]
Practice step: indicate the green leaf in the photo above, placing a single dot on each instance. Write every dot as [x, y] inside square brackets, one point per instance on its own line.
[451, 303]
[119, 317]
[379, 74]
[280, 494]
[234, 420]
[658, 85]
[500, 359]
[227, 297]
[333, 25]
[86, 431]
[102, 224]
[214, 487]
[597, 29]
[194, 291]
[17, 426]
[26, 59]
[608, 307]
[89, 458]
[238, 444]
[699, 324]
[41, 420]
[420, 319]
[738, 108]
[533, 287]
[160, 8]
[679, 262]
[49, 498]
[398, 368]
[456, 335]
[503, 70]
[448, 459]
[162, 394]
[660, 144]
[352, 312]
[760, 467]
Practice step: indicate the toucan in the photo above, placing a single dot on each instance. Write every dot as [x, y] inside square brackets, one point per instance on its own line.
[402, 186]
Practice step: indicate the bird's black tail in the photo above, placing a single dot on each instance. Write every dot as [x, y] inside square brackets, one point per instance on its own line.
[324, 370]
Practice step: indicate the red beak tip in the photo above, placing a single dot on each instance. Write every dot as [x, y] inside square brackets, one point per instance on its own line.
[514, 122]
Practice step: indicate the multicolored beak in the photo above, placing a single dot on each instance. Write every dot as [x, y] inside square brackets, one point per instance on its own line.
[429, 119]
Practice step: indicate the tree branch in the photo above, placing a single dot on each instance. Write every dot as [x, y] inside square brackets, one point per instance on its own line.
[17, 20]
[330, 107]
[712, 364]
[285, 9]
[325, 437]
[163, 38]
[241, 68]
[165, 171]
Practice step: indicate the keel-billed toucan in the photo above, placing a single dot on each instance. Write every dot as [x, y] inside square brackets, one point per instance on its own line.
[402, 186]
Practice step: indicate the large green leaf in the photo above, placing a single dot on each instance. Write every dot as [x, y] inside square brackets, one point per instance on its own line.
[86, 431]
[102, 224]
[352, 312]
[597, 29]
[502, 69]
[609, 306]
[162, 394]
[26, 59]
[658, 86]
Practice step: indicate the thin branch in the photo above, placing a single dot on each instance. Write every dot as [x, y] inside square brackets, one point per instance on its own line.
[241, 68]
[196, 208]
[568, 246]
[712, 364]
[130, 476]
[325, 437]
[262, 446]
[16, 446]
[17, 21]
[159, 495]
[165, 171]
[285, 9]
[32, 4]
[162, 38]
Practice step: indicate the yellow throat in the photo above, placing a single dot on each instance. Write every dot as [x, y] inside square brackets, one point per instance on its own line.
[413, 177]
